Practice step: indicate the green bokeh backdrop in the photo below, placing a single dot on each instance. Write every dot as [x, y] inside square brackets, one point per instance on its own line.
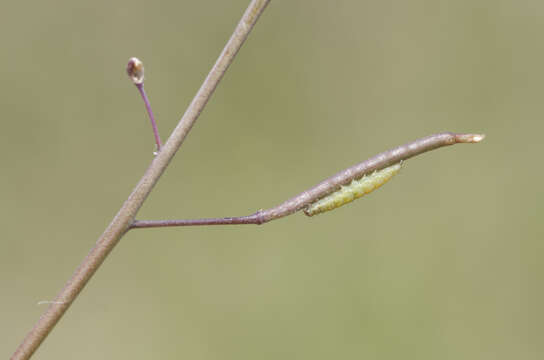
[445, 262]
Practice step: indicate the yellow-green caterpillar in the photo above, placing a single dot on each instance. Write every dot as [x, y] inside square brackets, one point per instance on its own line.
[356, 189]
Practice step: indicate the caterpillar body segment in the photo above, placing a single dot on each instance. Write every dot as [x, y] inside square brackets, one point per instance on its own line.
[356, 189]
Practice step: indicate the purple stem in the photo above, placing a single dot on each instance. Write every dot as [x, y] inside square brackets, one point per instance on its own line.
[250, 219]
[151, 116]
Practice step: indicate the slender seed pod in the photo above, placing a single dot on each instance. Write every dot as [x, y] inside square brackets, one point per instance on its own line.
[356, 189]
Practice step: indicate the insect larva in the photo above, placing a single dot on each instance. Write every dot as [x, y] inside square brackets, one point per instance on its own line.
[357, 188]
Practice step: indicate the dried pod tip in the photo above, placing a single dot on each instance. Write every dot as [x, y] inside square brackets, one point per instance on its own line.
[469, 138]
[135, 70]
[478, 137]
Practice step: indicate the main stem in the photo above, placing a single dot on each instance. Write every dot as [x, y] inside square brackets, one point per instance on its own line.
[124, 218]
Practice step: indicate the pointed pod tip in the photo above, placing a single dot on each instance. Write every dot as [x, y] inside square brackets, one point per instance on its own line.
[469, 138]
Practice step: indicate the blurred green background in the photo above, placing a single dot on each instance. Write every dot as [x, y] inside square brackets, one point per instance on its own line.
[445, 262]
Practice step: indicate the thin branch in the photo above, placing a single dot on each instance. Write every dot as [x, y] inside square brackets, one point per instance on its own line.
[124, 218]
[135, 70]
[151, 116]
[239, 220]
[329, 185]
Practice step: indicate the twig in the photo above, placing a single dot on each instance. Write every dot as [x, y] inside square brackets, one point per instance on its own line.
[135, 70]
[329, 185]
[124, 218]
[151, 116]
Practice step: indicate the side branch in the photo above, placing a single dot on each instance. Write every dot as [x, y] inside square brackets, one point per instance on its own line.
[329, 185]
[251, 219]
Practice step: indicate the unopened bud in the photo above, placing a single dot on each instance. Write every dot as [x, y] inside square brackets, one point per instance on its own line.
[135, 70]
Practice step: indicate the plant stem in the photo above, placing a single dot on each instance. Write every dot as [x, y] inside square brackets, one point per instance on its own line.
[327, 186]
[124, 218]
[238, 220]
[151, 116]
